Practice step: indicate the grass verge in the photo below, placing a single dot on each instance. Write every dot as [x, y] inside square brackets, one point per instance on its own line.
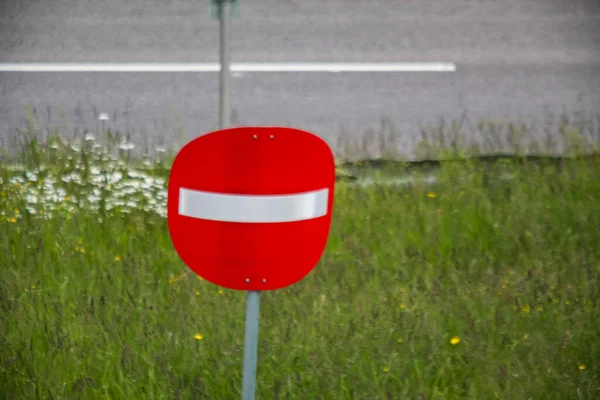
[470, 287]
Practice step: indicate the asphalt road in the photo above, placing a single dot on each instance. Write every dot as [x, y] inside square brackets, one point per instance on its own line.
[514, 58]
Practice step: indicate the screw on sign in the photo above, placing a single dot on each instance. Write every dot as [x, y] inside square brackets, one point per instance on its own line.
[250, 208]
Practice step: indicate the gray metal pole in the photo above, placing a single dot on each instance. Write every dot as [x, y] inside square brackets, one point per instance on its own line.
[225, 8]
[251, 345]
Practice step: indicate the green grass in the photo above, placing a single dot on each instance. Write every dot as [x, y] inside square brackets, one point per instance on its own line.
[95, 303]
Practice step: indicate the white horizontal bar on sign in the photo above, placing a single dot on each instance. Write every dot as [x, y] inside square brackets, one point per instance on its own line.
[234, 67]
[253, 208]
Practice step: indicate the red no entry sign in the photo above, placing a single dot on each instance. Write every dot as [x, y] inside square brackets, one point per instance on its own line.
[250, 208]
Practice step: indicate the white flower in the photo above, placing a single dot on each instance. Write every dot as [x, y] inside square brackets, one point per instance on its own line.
[127, 146]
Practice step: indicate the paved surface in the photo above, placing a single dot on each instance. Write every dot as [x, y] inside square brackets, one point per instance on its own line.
[514, 58]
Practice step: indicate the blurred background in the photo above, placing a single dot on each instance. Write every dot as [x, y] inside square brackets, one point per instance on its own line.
[518, 60]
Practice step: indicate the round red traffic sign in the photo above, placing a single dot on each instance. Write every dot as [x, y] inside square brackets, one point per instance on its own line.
[250, 208]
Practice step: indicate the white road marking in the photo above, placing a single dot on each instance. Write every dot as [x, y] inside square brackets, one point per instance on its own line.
[253, 208]
[235, 67]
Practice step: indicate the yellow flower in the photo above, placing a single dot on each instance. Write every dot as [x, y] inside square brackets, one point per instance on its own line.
[455, 340]
[200, 278]
[567, 302]
[198, 336]
[402, 305]
[117, 258]
[525, 336]
[220, 291]
[400, 340]
[582, 367]
[431, 195]
[173, 280]
[12, 220]
[197, 292]
[17, 210]
[33, 286]
[526, 308]
[386, 370]
[82, 250]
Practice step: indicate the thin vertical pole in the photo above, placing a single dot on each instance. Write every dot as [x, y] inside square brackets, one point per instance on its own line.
[251, 345]
[225, 12]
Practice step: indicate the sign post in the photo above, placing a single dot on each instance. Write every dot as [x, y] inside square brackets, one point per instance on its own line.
[253, 298]
[251, 345]
[249, 208]
[225, 14]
